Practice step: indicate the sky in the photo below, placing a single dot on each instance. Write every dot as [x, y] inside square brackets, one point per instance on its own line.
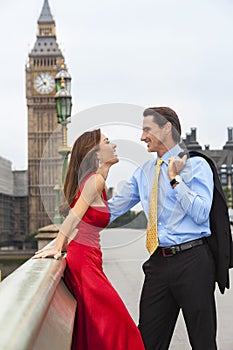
[176, 53]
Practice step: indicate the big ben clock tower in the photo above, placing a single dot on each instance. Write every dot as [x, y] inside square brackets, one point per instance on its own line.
[45, 60]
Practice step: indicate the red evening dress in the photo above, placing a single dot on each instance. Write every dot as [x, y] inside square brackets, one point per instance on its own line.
[102, 321]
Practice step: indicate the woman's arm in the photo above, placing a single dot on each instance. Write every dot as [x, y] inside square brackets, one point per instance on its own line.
[68, 230]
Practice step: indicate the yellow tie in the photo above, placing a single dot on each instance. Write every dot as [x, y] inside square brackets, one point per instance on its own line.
[152, 240]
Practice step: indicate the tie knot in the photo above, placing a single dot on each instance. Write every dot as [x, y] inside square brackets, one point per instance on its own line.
[159, 161]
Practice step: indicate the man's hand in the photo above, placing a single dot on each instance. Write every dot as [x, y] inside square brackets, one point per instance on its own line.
[175, 165]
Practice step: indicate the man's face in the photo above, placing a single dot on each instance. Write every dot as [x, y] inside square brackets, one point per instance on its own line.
[153, 134]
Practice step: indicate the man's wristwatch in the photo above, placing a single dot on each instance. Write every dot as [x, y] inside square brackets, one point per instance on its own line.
[177, 179]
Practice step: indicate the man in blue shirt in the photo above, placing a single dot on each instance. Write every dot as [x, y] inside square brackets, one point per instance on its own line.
[180, 274]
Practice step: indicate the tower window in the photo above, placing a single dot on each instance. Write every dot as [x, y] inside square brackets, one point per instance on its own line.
[46, 31]
[223, 174]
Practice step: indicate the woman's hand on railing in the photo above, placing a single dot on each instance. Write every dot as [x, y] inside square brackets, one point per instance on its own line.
[52, 252]
[55, 251]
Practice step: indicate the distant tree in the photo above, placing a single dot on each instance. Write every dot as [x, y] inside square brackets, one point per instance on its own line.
[123, 219]
[30, 240]
[139, 222]
[130, 219]
[110, 192]
[227, 192]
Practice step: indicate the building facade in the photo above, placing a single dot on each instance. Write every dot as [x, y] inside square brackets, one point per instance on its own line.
[223, 159]
[44, 164]
[13, 206]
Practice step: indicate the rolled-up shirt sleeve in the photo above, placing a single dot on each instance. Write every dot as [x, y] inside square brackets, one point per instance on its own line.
[196, 196]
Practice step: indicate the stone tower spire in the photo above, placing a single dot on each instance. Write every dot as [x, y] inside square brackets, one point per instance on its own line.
[46, 43]
[46, 16]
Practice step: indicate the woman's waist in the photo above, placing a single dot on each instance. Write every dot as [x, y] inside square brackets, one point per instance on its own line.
[83, 252]
[89, 238]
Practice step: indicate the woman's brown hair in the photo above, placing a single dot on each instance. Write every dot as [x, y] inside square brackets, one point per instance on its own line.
[83, 161]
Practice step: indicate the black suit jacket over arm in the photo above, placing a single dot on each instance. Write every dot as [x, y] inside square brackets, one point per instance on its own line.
[220, 241]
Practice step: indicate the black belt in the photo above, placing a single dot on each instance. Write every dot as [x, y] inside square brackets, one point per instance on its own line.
[169, 251]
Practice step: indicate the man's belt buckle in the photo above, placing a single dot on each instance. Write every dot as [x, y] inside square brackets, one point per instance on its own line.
[169, 251]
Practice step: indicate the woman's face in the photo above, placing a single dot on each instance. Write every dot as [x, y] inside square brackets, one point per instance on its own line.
[106, 152]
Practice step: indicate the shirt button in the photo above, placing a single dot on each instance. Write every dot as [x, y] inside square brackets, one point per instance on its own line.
[160, 223]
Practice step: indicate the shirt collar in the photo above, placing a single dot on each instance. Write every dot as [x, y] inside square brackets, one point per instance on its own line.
[174, 151]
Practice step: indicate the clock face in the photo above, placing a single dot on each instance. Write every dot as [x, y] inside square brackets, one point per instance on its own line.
[44, 83]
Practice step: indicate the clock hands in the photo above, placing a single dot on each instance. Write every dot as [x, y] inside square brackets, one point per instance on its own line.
[44, 83]
[41, 78]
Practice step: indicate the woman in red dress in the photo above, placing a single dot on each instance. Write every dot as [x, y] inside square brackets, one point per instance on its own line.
[102, 321]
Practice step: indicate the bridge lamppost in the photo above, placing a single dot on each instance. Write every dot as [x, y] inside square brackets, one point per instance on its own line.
[63, 105]
[63, 100]
[63, 73]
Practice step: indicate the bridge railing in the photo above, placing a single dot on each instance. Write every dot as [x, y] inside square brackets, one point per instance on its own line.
[36, 309]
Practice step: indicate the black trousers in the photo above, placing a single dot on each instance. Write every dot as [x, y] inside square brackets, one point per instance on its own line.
[183, 281]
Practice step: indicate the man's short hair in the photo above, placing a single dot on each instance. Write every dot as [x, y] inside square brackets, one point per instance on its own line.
[162, 115]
